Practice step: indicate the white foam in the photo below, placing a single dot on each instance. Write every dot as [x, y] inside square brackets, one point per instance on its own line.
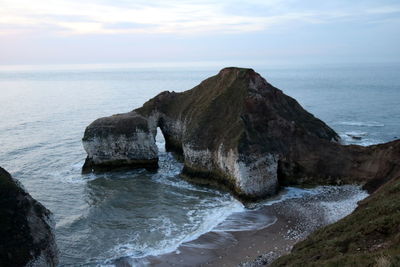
[348, 140]
[215, 217]
[356, 133]
[208, 217]
[292, 193]
[349, 195]
[177, 182]
[362, 124]
[72, 174]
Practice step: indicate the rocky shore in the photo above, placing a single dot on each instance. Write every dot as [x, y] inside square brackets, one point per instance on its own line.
[27, 237]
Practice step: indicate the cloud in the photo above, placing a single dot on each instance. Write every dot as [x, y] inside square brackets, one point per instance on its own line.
[163, 17]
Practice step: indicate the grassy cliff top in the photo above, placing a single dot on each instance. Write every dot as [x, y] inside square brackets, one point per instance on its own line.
[370, 236]
[236, 105]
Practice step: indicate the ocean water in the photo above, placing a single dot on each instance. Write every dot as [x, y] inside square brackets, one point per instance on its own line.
[101, 218]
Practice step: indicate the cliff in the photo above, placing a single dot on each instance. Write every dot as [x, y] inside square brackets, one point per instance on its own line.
[26, 227]
[237, 131]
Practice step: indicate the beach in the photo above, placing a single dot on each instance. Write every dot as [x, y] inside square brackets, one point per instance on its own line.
[291, 220]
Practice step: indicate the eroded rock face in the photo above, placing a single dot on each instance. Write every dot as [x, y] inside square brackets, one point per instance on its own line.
[123, 140]
[232, 130]
[26, 231]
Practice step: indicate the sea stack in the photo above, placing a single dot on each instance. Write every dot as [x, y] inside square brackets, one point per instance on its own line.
[233, 130]
[27, 237]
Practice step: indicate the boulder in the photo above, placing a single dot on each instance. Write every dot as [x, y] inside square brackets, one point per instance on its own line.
[27, 237]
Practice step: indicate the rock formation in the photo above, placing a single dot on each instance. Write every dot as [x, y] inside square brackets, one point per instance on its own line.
[26, 228]
[123, 140]
[237, 131]
[231, 129]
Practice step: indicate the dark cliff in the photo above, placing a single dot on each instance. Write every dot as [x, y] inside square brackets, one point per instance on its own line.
[26, 232]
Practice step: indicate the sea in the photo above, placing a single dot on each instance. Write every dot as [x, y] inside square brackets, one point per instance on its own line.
[101, 218]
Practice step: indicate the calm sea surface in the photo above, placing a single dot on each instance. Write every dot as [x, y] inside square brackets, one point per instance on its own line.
[103, 217]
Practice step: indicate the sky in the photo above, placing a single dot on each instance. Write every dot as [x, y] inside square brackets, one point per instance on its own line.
[124, 31]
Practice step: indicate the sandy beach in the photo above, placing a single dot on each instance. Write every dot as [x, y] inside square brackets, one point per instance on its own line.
[290, 221]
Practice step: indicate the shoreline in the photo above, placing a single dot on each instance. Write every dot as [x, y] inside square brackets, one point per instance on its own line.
[292, 220]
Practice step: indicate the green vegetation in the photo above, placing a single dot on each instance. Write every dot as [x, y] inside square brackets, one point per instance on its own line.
[370, 236]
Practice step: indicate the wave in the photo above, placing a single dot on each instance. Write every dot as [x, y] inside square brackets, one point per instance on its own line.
[358, 138]
[325, 193]
[249, 220]
[291, 193]
[201, 221]
[362, 124]
[356, 133]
